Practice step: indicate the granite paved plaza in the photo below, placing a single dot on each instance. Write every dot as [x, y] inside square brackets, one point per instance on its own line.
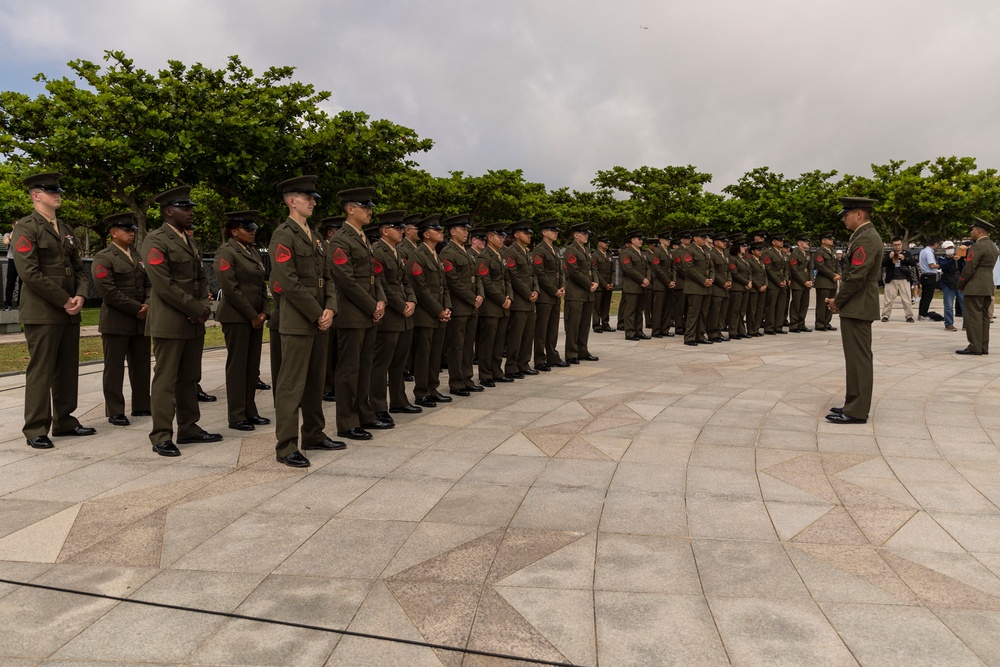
[665, 505]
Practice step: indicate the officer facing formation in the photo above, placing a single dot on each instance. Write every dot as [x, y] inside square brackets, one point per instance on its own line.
[300, 274]
[178, 310]
[124, 287]
[976, 282]
[53, 291]
[242, 311]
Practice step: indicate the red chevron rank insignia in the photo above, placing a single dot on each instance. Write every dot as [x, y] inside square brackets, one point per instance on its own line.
[859, 256]
[511, 262]
[277, 287]
[102, 272]
[23, 245]
[155, 257]
[417, 270]
[377, 266]
[224, 265]
[448, 266]
[571, 259]
[282, 254]
[483, 270]
[339, 257]
[538, 260]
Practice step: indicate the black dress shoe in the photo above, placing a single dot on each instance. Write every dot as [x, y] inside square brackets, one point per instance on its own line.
[488, 383]
[545, 368]
[669, 335]
[805, 330]
[574, 361]
[780, 331]
[590, 357]
[607, 329]
[598, 330]
[530, 371]
[643, 336]
[831, 328]
[329, 396]
[405, 410]
[564, 364]
[691, 342]
[379, 425]
[441, 398]
[427, 402]
[79, 430]
[166, 448]
[263, 386]
[505, 379]
[679, 331]
[243, 425]
[517, 376]
[203, 436]
[657, 335]
[965, 351]
[119, 420]
[844, 419]
[327, 444]
[257, 420]
[384, 417]
[632, 338]
[836, 411]
[206, 398]
[407, 377]
[294, 460]
[771, 333]
[476, 388]
[40, 442]
[142, 413]
[355, 434]
[707, 341]
[718, 339]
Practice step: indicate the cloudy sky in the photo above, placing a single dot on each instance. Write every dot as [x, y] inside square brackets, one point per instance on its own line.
[563, 88]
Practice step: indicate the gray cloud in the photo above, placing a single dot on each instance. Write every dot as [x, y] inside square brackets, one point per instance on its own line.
[563, 88]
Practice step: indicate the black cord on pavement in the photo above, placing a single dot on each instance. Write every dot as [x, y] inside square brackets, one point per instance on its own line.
[318, 628]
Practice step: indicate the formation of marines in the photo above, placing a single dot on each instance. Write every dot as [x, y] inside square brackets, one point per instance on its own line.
[360, 306]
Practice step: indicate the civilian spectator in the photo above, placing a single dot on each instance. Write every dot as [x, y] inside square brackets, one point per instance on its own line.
[950, 271]
[928, 276]
[896, 265]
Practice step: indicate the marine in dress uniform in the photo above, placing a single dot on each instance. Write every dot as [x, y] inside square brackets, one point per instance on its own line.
[646, 322]
[466, 298]
[53, 291]
[801, 272]
[405, 247]
[756, 299]
[178, 310]
[395, 329]
[361, 302]
[722, 280]
[774, 268]
[684, 238]
[328, 227]
[742, 287]
[432, 313]
[858, 306]
[976, 282]
[124, 287]
[636, 280]
[604, 270]
[827, 277]
[300, 279]
[663, 283]
[551, 290]
[491, 270]
[524, 283]
[699, 272]
[243, 310]
[581, 284]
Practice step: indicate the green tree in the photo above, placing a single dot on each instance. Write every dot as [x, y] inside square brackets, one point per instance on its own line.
[668, 197]
[124, 134]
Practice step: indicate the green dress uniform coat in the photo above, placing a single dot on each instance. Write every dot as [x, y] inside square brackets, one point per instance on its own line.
[358, 294]
[635, 269]
[718, 309]
[739, 269]
[300, 280]
[646, 302]
[580, 275]
[492, 271]
[858, 304]
[663, 274]
[329, 382]
[800, 271]
[124, 287]
[392, 338]
[177, 302]
[521, 324]
[976, 282]
[548, 271]
[826, 287]
[697, 269]
[604, 269]
[430, 288]
[240, 272]
[49, 265]
[460, 332]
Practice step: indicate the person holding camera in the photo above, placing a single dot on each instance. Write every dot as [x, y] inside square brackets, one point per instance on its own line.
[897, 264]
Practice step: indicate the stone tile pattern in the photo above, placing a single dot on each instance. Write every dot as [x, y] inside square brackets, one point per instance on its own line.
[581, 516]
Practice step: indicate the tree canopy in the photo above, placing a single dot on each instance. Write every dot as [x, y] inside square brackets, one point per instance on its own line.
[121, 134]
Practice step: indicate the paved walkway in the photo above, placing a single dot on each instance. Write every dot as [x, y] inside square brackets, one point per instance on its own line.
[665, 505]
